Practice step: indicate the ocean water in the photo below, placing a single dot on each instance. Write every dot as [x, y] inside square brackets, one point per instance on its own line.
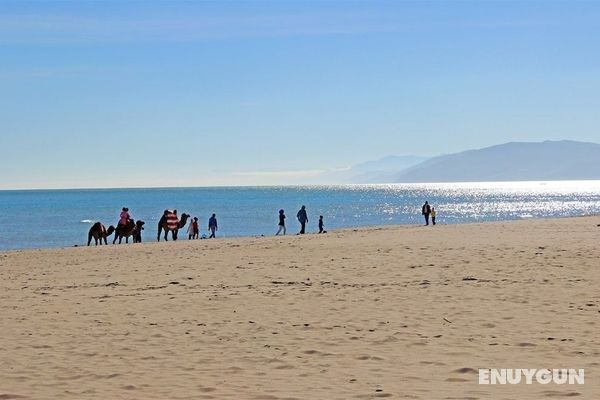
[59, 218]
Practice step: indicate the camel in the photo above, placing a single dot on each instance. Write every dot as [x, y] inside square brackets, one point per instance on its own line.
[99, 233]
[170, 222]
[130, 229]
[137, 236]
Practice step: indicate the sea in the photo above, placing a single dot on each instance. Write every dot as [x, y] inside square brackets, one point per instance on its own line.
[62, 218]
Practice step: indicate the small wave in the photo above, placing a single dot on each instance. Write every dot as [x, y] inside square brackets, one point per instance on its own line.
[525, 216]
[86, 221]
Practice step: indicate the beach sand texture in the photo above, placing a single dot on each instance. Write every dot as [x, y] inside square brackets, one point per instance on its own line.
[405, 312]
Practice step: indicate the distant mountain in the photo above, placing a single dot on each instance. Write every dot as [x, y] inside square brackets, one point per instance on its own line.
[549, 160]
[384, 170]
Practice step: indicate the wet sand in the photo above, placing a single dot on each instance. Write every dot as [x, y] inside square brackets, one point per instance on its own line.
[406, 312]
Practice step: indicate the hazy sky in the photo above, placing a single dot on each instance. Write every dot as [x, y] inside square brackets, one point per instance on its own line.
[145, 93]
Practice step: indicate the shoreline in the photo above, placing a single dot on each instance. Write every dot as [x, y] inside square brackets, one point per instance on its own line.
[355, 228]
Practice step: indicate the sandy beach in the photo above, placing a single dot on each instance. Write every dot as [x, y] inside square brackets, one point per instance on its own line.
[406, 312]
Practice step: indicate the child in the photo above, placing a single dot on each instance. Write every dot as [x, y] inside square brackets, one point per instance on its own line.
[195, 228]
[433, 215]
[190, 230]
[321, 225]
[124, 217]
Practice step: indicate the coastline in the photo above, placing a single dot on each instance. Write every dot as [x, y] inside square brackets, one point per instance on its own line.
[149, 237]
[389, 311]
[248, 212]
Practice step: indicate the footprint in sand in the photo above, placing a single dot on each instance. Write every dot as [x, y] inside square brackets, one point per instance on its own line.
[553, 393]
[465, 370]
[526, 344]
[457, 380]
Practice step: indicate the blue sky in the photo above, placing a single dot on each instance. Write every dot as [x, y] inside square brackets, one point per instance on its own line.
[108, 94]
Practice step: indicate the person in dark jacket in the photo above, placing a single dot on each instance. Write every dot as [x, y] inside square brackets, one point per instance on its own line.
[212, 226]
[321, 225]
[281, 222]
[426, 211]
[303, 219]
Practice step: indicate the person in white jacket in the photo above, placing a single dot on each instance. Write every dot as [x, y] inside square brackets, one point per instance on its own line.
[192, 230]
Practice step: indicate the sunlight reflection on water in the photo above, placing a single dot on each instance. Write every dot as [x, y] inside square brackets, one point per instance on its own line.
[242, 211]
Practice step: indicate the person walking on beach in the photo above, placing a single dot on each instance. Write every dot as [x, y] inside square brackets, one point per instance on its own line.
[321, 225]
[303, 219]
[212, 226]
[426, 211]
[433, 215]
[281, 222]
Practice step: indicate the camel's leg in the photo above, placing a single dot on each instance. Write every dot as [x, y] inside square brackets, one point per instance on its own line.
[126, 239]
[160, 229]
[115, 239]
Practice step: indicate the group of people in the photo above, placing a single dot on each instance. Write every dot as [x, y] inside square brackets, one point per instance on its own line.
[302, 217]
[427, 212]
[194, 230]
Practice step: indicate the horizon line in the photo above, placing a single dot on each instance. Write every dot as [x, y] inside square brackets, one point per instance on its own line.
[293, 185]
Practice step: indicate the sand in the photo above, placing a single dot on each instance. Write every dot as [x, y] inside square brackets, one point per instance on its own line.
[405, 312]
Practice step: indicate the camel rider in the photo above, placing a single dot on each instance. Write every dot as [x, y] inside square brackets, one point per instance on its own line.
[124, 217]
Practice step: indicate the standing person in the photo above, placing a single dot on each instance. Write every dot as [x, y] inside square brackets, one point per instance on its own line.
[196, 229]
[321, 225]
[281, 222]
[433, 215]
[426, 211]
[190, 230]
[212, 226]
[303, 219]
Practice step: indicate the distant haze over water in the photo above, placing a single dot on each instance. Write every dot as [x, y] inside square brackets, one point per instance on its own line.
[56, 218]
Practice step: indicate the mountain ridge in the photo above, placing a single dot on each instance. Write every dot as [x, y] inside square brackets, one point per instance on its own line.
[512, 161]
